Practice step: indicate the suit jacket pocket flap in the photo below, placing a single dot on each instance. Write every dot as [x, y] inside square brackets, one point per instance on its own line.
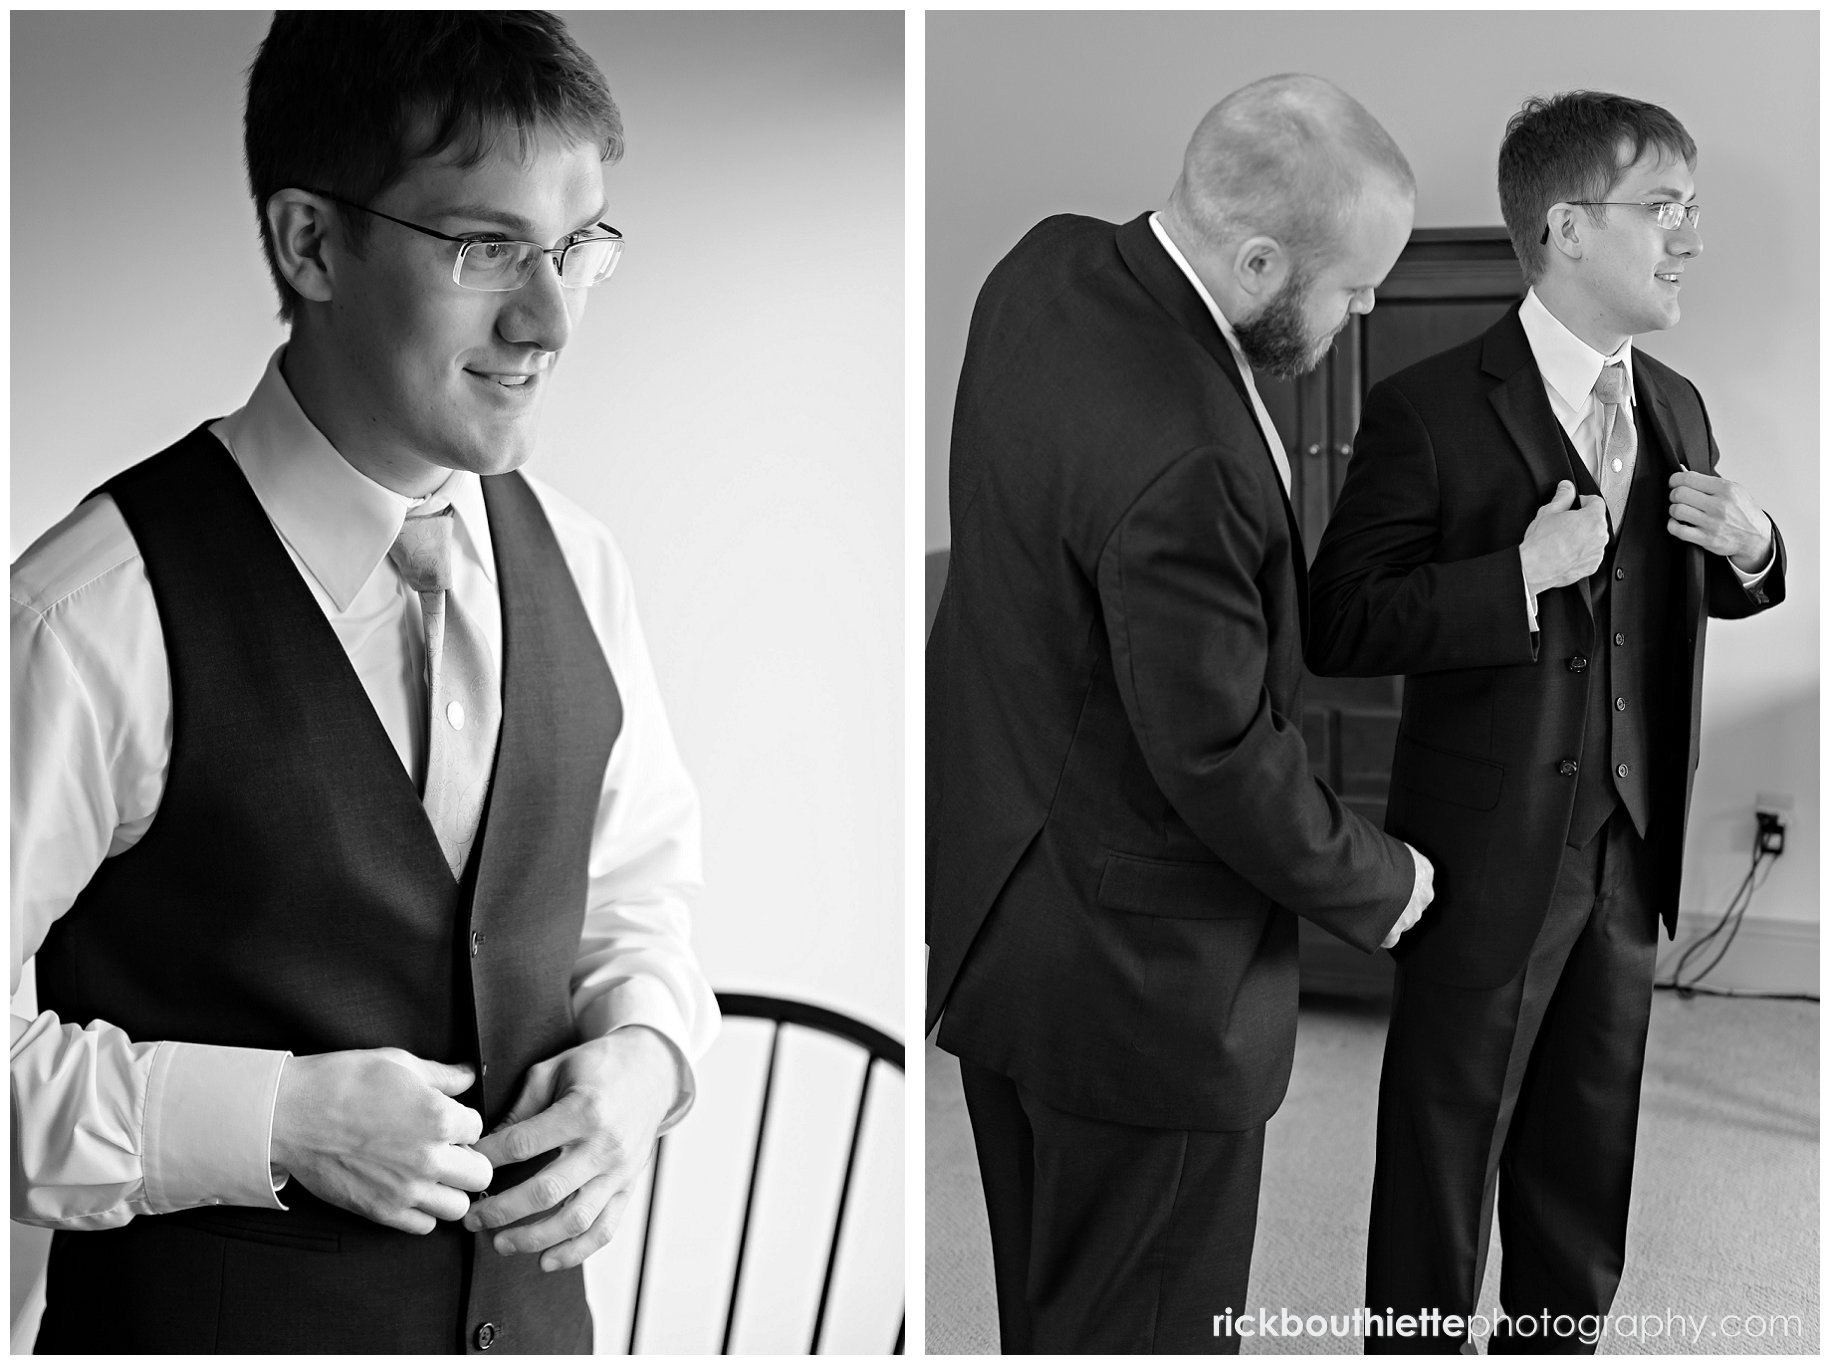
[1455, 778]
[1177, 890]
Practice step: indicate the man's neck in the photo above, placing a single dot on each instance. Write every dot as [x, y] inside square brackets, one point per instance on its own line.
[1227, 296]
[1582, 315]
[315, 388]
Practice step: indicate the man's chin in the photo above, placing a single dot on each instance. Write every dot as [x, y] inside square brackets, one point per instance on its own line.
[503, 459]
[1287, 366]
[496, 447]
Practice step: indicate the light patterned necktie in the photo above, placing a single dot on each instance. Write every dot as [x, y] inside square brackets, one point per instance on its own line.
[1614, 474]
[464, 714]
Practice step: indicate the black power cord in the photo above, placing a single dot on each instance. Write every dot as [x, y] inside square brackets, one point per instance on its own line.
[1765, 853]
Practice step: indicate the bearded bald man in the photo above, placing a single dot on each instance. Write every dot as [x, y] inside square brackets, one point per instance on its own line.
[1122, 824]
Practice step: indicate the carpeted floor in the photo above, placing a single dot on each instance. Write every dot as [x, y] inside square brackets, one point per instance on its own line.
[1725, 1198]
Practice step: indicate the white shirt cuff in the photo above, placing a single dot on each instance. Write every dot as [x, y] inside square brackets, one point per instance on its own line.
[1748, 580]
[1531, 601]
[209, 1126]
[642, 1000]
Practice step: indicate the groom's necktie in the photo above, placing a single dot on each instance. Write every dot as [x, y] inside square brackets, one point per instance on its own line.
[464, 712]
[1614, 465]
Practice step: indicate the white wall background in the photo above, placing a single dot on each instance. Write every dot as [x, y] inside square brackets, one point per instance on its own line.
[1037, 113]
[731, 408]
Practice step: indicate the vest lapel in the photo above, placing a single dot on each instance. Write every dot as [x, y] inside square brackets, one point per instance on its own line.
[249, 541]
[561, 714]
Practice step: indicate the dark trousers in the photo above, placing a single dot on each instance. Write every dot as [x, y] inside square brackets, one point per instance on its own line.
[1111, 1238]
[1532, 1087]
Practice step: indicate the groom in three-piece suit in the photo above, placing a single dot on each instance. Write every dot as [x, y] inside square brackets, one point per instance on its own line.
[1122, 824]
[1551, 714]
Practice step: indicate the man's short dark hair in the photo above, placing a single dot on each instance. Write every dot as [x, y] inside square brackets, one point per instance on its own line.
[346, 101]
[1564, 148]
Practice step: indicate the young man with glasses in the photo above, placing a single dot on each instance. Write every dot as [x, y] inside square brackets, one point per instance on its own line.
[349, 836]
[1533, 531]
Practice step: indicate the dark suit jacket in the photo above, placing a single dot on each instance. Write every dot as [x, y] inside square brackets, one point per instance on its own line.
[1418, 573]
[1121, 817]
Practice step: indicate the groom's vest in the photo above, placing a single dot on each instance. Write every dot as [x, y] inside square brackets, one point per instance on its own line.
[291, 894]
[1636, 595]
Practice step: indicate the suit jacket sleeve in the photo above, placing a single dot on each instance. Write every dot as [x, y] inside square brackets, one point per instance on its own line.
[1178, 580]
[1383, 597]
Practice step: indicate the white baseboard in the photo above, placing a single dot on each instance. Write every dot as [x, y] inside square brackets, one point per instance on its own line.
[1774, 956]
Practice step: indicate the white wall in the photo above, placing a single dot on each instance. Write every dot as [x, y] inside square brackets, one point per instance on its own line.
[1038, 113]
[731, 408]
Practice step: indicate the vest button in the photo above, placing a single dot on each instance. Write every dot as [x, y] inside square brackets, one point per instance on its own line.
[476, 943]
[1619, 574]
[1622, 770]
[1620, 703]
[486, 1336]
[1577, 663]
[1567, 767]
[1620, 637]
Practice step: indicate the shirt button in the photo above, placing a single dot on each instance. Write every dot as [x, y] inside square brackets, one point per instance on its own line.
[1622, 770]
[1620, 637]
[455, 714]
[486, 1336]
[1620, 703]
[1619, 574]
[1577, 663]
[476, 943]
[1567, 767]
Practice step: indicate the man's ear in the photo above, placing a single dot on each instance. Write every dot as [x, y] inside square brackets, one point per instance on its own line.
[301, 225]
[1260, 266]
[1566, 231]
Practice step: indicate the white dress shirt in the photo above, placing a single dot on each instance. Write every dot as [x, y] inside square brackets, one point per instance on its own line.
[106, 1127]
[1265, 424]
[1569, 367]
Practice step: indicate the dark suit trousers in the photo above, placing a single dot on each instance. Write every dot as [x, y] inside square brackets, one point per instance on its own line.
[1534, 1087]
[1106, 1237]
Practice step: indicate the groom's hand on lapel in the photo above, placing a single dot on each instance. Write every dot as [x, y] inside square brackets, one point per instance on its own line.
[1565, 542]
[1719, 515]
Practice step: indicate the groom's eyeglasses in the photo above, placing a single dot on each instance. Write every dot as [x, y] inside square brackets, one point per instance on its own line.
[498, 267]
[1668, 212]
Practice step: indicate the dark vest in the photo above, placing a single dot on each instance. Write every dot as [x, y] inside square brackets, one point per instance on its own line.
[1625, 748]
[290, 893]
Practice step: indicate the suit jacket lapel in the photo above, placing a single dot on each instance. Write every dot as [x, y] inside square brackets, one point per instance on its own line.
[1524, 410]
[1652, 402]
[1164, 281]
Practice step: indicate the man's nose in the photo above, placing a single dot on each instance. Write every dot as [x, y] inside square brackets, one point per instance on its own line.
[542, 312]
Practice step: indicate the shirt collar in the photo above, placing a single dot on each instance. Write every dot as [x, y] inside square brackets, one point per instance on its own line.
[1568, 363]
[339, 521]
[1226, 328]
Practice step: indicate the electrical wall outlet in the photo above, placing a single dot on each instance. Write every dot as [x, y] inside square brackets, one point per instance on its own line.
[1772, 811]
